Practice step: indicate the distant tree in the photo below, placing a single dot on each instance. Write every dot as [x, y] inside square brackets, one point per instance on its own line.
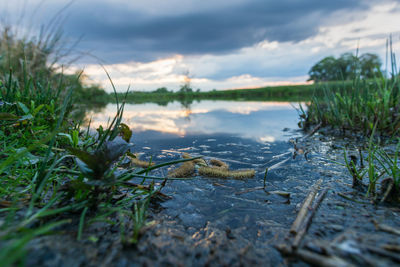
[162, 90]
[370, 66]
[186, 87]
[324, 70]
[346, 67]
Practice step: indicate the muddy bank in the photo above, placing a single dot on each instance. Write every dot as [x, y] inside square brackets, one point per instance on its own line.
[217, 222]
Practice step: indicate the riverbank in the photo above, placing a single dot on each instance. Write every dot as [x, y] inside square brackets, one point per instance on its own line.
[56, 175]
[290, 93]
[283, 93]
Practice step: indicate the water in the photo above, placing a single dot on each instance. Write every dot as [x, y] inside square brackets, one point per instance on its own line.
[259, 121]
[243, 134]
[225, 222]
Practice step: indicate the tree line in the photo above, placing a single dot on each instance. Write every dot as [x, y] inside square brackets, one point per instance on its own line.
[346, 67]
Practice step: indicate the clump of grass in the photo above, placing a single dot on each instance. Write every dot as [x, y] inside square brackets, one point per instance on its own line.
[30, 68]
[28, 134]
[50, 170]
[372, 108]
[368, 103]
[359, 107]
[27, 56]
[382, 165]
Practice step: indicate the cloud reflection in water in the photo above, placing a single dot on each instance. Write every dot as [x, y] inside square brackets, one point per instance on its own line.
[261, 121]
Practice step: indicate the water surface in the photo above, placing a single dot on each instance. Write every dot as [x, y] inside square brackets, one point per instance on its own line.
[243, 134]
[260, 121]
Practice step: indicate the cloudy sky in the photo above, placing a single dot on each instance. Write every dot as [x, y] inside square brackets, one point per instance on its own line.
[219, 44]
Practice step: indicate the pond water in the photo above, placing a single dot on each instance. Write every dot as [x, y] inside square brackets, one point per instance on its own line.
[227, 222]
[245, 135]
[257, 121]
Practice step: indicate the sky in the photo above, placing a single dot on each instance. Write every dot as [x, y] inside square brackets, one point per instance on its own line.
[216, 44]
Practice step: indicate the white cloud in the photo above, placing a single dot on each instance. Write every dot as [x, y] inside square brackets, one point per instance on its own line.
[266, 63]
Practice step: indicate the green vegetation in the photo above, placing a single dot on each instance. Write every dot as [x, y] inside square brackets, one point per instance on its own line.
[360, 105]
[382, 166]
[370, 107]
[32, 63]
[163, 96]
[357, 108]
[84, 96]
[346, 67]
[52, 172]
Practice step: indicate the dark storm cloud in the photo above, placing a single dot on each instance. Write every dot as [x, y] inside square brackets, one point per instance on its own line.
[118, 34]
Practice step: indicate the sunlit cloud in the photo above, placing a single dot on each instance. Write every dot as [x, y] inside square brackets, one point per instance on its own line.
[171, 73]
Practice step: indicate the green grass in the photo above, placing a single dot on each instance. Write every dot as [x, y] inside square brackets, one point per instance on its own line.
[295, 93]
[359, 106]
[370, 108]
[292, 93]
[31, 69]
[52, 171]
[380, 165]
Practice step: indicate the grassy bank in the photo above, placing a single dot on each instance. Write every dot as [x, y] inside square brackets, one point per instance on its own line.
[32, 65]
[359, 108]
[295, 93]
[370, 109]
[53, 173]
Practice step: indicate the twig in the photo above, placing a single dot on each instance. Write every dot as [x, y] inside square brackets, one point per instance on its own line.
[247, 200]
[386, 228]
[248, 190]
[384, 253]
[308, 219]
[392, 248]
[351, 199]
[388, 191]
[304, 208]
[319, 260]
[313, 258]
[316, 128]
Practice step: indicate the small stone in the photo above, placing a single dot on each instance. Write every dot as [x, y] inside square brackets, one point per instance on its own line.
[336, 227]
